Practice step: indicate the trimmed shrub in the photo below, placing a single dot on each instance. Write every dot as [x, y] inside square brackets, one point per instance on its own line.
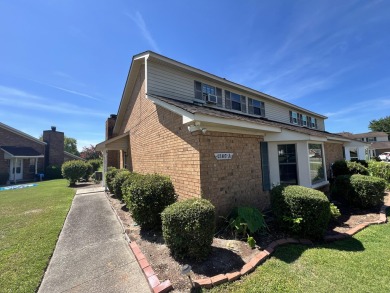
[147, 196]
[4, 178]
[341, 186]
[364, 163]
[53, 172]
[89, 171]
[343, 167]
[188, 228]
[118, 181]
[110, 175]
[74, 170]
[96, 163]
[379, 169]
[301, 210]
[360, 190]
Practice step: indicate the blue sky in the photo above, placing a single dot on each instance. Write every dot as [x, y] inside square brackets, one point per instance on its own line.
[65, 62]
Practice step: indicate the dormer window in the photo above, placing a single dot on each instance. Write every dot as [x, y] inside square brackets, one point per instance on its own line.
[256, 107]
[203, 90]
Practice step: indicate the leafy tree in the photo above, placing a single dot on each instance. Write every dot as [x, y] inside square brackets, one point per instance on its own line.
[90, 153]
[382, 125]
[70, 145]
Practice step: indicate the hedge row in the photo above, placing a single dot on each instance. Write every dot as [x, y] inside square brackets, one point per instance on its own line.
[343, 167]
[360, 190]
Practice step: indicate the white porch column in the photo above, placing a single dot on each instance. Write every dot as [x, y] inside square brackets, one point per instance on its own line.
[105, 152]
[14, 169]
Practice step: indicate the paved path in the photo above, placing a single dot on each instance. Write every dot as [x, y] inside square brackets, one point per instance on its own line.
[92, 254]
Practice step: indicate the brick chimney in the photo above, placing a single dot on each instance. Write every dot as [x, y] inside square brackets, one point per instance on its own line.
[110, 123]
[54, 154]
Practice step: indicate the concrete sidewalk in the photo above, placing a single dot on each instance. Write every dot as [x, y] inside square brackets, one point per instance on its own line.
[92, 254]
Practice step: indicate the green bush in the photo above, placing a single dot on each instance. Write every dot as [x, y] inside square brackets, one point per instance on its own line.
[334, 211]
[89, 171]
[110, 175]
[147, 196]
[96, 163]
[4, 178]
[343, 167]
[301, 210]
[242, 219]
[364, 163]
[117, 182]
[379, 169]
[53, 172]
[74, 170]
[188, 228]
[360, 190]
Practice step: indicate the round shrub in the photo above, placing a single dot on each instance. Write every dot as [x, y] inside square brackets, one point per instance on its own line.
[110, 175]
[360, 190]
[4, 178]
[96, 163]
[147, 196]
[343, 167]
[53, 172]
[301, 210]
[118, 181]
[89, 171]
[74, 170]
[188, 228]
[379, 169]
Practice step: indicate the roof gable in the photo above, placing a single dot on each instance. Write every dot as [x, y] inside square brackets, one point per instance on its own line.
[20, 133]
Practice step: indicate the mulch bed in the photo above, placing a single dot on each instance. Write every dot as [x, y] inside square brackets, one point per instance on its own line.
[228, 254]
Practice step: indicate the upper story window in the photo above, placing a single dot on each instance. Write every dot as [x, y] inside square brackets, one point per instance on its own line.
[203, 90]
[235, 101]
[303, 120]
[371, 139]
[256, 107]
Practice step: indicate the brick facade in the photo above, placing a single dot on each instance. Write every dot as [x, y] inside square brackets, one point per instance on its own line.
[9, 138]
[333, 152]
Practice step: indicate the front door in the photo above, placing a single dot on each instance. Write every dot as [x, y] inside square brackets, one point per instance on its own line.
[16, 170]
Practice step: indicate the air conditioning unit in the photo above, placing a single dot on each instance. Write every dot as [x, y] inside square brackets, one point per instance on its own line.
[211, 99]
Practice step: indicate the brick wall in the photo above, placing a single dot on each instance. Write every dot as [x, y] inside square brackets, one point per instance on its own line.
[230, 183]
[8, 138]
[159, 143]
[333, 152]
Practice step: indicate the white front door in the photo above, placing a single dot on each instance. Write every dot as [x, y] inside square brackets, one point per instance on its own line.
[16, 169]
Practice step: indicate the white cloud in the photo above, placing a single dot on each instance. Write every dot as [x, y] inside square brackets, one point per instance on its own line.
[140, 22]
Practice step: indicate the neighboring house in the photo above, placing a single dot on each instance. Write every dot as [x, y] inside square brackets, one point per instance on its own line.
[216, 139]
[23, 156]
[378, 141]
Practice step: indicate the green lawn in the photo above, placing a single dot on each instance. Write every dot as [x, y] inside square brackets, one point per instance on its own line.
[358, 264]
[30, 222]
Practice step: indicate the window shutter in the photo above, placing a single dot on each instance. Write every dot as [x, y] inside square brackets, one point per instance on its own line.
[291, 117]
[228, 102]
[219, 97]
[262, 109]
[243, 104]
[265, 166]
[198, 90]
[250, 106]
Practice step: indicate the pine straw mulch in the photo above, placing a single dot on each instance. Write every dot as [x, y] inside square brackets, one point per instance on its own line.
[228, 254]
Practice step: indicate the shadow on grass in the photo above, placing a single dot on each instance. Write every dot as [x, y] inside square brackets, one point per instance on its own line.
[291, 253]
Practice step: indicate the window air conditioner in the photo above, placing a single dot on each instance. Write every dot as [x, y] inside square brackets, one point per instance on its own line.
[211, 99]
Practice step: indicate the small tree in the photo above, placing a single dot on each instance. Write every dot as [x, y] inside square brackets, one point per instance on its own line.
[90, 153]
[382, 125]
[70, 145]
[74, 170]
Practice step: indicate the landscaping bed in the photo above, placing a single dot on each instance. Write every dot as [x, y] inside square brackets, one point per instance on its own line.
[228, 254]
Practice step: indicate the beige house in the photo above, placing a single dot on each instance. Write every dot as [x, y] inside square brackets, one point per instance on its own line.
[376, 143]
[216, 139]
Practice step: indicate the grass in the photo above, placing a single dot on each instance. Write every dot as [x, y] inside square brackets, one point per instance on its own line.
[358, 264]
[30, 222]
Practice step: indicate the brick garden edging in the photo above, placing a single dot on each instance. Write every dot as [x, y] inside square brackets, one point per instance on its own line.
[262, 256]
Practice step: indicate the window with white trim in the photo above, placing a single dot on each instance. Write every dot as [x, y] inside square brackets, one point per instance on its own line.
[313, 122]
[293, 117]
[316, 160]
[303, 120]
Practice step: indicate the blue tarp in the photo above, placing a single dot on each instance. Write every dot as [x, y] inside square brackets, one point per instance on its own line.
[17, 186]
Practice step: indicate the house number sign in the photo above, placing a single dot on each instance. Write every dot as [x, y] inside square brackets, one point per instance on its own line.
[223, 156]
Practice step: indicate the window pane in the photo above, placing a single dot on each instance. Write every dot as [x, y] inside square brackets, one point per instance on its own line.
[316, 159]
[287, 164]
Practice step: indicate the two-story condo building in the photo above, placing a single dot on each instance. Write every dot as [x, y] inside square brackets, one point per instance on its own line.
[216, 139]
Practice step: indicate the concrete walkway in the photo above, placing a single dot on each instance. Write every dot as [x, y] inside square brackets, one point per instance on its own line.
[92, 254]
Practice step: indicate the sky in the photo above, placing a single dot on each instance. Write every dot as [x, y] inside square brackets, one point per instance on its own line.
[64, 63]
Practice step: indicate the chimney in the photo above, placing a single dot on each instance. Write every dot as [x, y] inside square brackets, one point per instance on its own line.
[110, 123]
[54, 153]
